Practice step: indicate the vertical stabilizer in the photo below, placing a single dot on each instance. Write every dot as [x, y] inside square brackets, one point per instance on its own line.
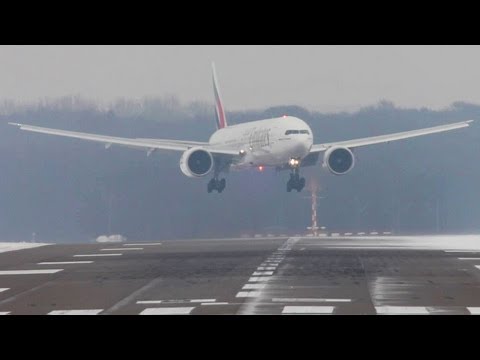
[219, 109]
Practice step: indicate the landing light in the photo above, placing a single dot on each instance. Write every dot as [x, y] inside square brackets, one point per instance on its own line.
[242, 152]
[294, 162]
[260, 168]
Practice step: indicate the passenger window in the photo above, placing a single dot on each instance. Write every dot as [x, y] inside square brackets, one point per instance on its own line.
[304, 132]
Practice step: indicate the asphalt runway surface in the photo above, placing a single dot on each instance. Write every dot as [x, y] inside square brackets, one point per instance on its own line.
[273, 276]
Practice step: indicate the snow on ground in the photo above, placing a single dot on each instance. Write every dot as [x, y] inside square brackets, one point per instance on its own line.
[11, 246]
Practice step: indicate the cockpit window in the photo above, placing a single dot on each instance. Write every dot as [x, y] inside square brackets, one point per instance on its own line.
[294, 132]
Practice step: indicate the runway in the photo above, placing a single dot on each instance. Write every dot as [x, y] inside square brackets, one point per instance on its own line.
[272, 276]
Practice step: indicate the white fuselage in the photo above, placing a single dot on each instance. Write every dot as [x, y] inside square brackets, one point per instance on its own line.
[271, 142]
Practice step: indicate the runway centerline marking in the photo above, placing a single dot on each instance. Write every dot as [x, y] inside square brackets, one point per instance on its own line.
[216, 303]
[64, 262]
[89, 255]
[307, 300]
[30, 272]
[4, 289]
[262, 273]
[311, 310]
[144, 244]
[259, 278]
[168, 311]
[76, 312]
[253, 286]
[468, 258]
[263, 268]
[401, 310]
[247, 294]
[121, 249]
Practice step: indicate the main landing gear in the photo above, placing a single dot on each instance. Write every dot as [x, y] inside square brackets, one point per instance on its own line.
[295, 182]
[216, 184]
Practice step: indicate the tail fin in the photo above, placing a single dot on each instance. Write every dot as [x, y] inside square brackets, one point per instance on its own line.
[219, 109]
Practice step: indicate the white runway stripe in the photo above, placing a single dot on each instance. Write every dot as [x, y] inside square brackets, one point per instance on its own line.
[401, 310]
[121, 249]
[462, 251]
[90, 255]
[65, 262]
[216, 303]
[474, 310]
[30, 272]
[168, 311]
[253, 286]
[262, 273]
[468, 258]
[5, 312]
[259, 278]
[477, 266]
[149, 302]
[246, 294]
[309, 300]
[263, 268]
[75, 312]
[145, 244]
[4, 289]
[308, 309]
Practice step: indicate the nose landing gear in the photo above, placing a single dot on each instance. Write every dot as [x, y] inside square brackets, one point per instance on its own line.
[295, 182]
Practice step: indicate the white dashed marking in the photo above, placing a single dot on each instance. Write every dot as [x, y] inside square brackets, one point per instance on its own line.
[401, 310]
[146, 244]
[262, 268]
[262, 273]
[30, 272]
[309, 300]
[477, 266]
[203, 300]
[150, 302]
[215, 303]
[89, 255]
[259, 278]
[76, 312]
[5, 312]
[308, 309]
[121, 249]
[247, 294]
[65, 262]
[253, 286]
[168, 311]
[474, 310]
[4, 289]
[468, 258]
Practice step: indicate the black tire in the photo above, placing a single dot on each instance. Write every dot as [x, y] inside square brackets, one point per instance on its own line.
[289, 186]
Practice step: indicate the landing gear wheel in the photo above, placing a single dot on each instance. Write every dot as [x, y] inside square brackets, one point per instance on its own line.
[295, 182]
[215, 184]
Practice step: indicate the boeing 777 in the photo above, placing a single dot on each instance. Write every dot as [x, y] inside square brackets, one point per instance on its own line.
[282, 143]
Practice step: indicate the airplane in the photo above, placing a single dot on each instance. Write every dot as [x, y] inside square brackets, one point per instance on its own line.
[285, 143]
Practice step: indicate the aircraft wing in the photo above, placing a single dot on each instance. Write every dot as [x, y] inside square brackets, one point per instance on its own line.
[149, 145]
[356, 143]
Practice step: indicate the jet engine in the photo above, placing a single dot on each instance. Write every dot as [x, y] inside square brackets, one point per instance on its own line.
[339, 160]
[196, 162]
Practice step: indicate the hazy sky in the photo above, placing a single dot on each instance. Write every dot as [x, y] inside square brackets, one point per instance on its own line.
[327, 78]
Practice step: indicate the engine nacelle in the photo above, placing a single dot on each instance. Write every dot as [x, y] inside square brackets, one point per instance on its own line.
[339, 160]
[196, 162]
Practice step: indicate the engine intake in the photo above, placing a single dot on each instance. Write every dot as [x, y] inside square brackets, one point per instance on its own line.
[196, 162]
[339, 160]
